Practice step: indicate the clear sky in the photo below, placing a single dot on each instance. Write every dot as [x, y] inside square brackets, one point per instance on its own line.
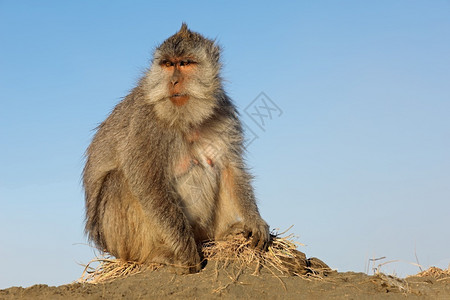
[358, 161]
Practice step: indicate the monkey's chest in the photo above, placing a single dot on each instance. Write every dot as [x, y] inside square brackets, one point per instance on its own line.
[197, 172]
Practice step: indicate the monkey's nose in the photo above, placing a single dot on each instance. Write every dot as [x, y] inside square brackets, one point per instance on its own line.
[175, 79]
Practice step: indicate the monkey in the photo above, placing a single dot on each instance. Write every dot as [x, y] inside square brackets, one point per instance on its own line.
[165, 170]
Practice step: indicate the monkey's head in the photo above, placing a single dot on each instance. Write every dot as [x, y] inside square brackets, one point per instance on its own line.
[184, 83]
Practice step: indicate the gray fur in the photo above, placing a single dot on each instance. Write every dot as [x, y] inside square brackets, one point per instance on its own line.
[160, 179]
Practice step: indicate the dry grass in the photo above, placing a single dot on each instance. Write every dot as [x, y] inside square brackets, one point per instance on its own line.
[103, 269]
[282, 257]
[436, 273]
[238, 251]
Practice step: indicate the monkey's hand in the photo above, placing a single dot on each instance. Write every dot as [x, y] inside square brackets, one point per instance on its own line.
[188, 261]
[258, 230]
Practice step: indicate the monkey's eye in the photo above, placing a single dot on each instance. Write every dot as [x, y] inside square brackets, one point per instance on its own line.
[167, 63]
[185, 63]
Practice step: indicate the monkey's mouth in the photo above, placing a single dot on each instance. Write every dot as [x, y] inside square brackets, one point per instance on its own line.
[179, 99]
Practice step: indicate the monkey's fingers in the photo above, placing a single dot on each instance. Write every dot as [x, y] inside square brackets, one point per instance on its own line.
[263, 245]
[259, 240]
[255, 239]
[260, 236]
[195, 269]
[247, 233]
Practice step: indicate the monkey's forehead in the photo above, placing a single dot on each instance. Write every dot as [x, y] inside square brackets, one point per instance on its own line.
[186, 48]
[186, 43]
[175, 51]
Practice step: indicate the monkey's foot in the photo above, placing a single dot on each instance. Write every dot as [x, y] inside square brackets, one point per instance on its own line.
[183, 270]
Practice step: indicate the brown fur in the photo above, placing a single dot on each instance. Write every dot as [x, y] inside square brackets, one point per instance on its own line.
[165, 171]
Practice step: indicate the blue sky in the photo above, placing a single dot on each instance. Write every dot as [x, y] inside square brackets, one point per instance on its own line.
[358, 161]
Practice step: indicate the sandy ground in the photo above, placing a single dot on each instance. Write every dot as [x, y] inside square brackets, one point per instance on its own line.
[232, 282]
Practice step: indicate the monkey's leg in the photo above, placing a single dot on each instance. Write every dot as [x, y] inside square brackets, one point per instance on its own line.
[125, 229]
[128, 232]
[237, 210]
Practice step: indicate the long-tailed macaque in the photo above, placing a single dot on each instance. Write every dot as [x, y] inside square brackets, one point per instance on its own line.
[165, 170]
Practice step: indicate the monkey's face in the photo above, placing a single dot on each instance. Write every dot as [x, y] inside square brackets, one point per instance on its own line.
[183, 81]
[179, 70]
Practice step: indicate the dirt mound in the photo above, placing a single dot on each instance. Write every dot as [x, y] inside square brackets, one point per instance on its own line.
[233, 270]
[217, 280]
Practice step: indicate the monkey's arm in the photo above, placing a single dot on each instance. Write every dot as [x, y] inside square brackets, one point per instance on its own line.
[236, 183]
